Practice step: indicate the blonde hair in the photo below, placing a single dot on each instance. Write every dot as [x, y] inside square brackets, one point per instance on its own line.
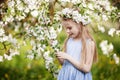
[84, 31]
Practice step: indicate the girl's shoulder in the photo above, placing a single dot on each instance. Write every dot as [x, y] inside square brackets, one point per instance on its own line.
[90, 41]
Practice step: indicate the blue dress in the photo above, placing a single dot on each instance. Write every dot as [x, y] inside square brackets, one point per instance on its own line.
[68, 71]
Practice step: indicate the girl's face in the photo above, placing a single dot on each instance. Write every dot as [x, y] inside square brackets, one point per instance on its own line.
[73, 29]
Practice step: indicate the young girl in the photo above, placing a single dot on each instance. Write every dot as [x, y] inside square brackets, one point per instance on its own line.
[80, 51]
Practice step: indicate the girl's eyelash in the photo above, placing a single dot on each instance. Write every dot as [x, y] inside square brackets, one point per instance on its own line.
[68, 27]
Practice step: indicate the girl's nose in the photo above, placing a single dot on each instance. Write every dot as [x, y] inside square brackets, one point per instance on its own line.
[68, 31]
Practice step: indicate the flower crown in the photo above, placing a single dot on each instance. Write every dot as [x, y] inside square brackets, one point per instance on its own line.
[75, 15]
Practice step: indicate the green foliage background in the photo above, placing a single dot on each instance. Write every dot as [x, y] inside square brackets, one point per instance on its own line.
[21, 68]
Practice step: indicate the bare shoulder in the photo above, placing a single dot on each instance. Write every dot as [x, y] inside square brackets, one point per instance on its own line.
[91, 47]
[91, 43]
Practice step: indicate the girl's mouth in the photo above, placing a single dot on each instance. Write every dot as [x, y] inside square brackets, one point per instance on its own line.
[71, 34]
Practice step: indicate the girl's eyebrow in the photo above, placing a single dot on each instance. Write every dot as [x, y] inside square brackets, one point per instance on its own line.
[68, 26]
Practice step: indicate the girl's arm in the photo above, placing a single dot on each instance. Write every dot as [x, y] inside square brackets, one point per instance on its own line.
[86, 66]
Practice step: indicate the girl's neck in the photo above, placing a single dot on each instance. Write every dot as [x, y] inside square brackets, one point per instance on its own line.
[77, 38]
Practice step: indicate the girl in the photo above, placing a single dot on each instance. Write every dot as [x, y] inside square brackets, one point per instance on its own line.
[79, 51]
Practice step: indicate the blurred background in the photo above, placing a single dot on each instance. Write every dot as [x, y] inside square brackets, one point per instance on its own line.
[30, 34]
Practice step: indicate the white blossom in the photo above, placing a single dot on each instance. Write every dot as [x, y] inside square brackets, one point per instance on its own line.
[32, 4]
[117, 59]
[46, 54]
[83, 4]
[1, 23]
[53, 34]
[75, 1]
[96, 6]
[18, 1]
[5, 38]
[32, 42]
[26, 10]
[106, 48]
[104, 17]
[12, 40]
[47, 0]
[90, 6]
[38, 52]
[17, 28]
[111, 32]
[9, 18]
[2, 32]
[1, 58]
[65, 0]
[20, 7]
[76, 16]
[54, 43]
[24, 43]
[108, 8]
[34, 13]
[101, 28]
[11, 4]
[48, 59]
[103, 46]
[67, 11]
[8, 57]
[57, 17]
[110, 47]
[20, 17]
[1, 39]
[72, 1]
[118, 32]
[14, 52]
[30, 56]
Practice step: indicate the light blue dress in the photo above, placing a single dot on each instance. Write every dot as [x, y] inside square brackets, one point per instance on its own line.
[68, 71]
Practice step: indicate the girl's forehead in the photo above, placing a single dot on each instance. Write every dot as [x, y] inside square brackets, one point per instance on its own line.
[68, 23]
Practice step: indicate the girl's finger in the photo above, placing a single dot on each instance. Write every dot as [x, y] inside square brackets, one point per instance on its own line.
[59, 57]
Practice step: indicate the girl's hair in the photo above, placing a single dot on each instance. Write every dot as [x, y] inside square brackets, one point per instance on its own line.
[84, 31]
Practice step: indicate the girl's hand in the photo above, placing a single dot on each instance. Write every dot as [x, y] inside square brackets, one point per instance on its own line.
[62, 55]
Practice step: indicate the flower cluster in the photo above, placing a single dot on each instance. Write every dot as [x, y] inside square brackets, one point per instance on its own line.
[75, 15]
[7, 40]
[106, 48]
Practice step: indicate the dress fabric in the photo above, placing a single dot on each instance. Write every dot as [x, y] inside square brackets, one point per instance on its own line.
[68, 71]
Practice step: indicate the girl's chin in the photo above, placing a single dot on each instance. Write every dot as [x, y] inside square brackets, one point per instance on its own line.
[72, 36]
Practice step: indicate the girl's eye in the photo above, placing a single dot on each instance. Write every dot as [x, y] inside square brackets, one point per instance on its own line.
[69, 28]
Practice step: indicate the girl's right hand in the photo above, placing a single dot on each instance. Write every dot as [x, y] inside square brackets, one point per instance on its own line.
[62, 55]
[61, 60]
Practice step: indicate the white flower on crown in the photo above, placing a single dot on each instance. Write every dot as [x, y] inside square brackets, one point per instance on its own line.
[75, 15]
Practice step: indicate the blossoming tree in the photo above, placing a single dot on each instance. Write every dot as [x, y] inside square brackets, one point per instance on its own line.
[38, 22]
